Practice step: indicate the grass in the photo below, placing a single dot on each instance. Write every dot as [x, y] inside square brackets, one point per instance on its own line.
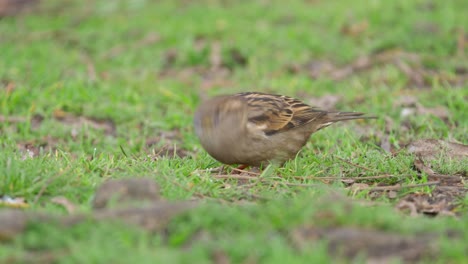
[110, 61]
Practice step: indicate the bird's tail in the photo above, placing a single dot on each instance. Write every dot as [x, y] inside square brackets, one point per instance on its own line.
[333, 117]
[343, 116]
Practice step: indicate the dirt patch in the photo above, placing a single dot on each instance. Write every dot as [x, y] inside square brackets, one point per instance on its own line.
[410, 106]
[210, 62]
[147, 40]
[126, 191]
[407, 63]
[375, 246]
[34, 148]
[77, 122]
[166, 144]
[15, 7]
[151, 214]
[430, 149]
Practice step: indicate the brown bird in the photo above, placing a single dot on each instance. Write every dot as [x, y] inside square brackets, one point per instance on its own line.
[257, 128]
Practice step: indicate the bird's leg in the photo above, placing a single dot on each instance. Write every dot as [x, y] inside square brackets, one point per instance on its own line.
[242, 167]
[239, 169]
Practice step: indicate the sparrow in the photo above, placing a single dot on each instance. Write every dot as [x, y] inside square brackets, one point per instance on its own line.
[256, 129]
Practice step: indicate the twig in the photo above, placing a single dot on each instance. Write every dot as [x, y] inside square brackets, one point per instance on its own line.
[13, 119]
[444, 176]
[345, 178]
[355, 165]
[299, 184]
[397, 188]
[245, 171]
[254, 196]
[234, 176]
[248, 185]
[461, 188]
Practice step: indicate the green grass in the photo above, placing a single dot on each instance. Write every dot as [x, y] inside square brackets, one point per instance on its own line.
[94, 59]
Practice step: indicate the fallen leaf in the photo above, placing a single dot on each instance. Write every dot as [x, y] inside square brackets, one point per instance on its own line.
[169, 58]
[423, 203]
[170, 151]
[355, 29]
[419, 164]
[462, 42]
[385, 144]
[33, 148]
[392, 194]
[216, 59]
[358, 187]
[69, 206]
[9, 87]
[238, 57]
[405, 205]
[220, 257]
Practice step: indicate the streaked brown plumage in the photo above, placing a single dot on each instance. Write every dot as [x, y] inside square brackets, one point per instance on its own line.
[258, 128]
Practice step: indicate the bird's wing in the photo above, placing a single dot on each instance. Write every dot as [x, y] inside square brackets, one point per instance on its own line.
[278, 113]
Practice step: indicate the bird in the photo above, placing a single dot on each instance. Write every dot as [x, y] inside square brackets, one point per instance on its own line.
[257, 129]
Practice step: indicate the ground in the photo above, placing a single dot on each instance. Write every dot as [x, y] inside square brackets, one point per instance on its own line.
[100, 160]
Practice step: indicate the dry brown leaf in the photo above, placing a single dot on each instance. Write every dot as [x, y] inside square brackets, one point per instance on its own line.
[169, 58]
[237, 57]
[355, 29]
[220, 257]
[385, 144]
[9, 87]
[216, 59]
[392, 194]
[169, 151]
[462, 42]
[358, 187]
[166, 144]
[419, 164]
[405, 205]
[423, 203]
[67, 204]
[32, 149]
